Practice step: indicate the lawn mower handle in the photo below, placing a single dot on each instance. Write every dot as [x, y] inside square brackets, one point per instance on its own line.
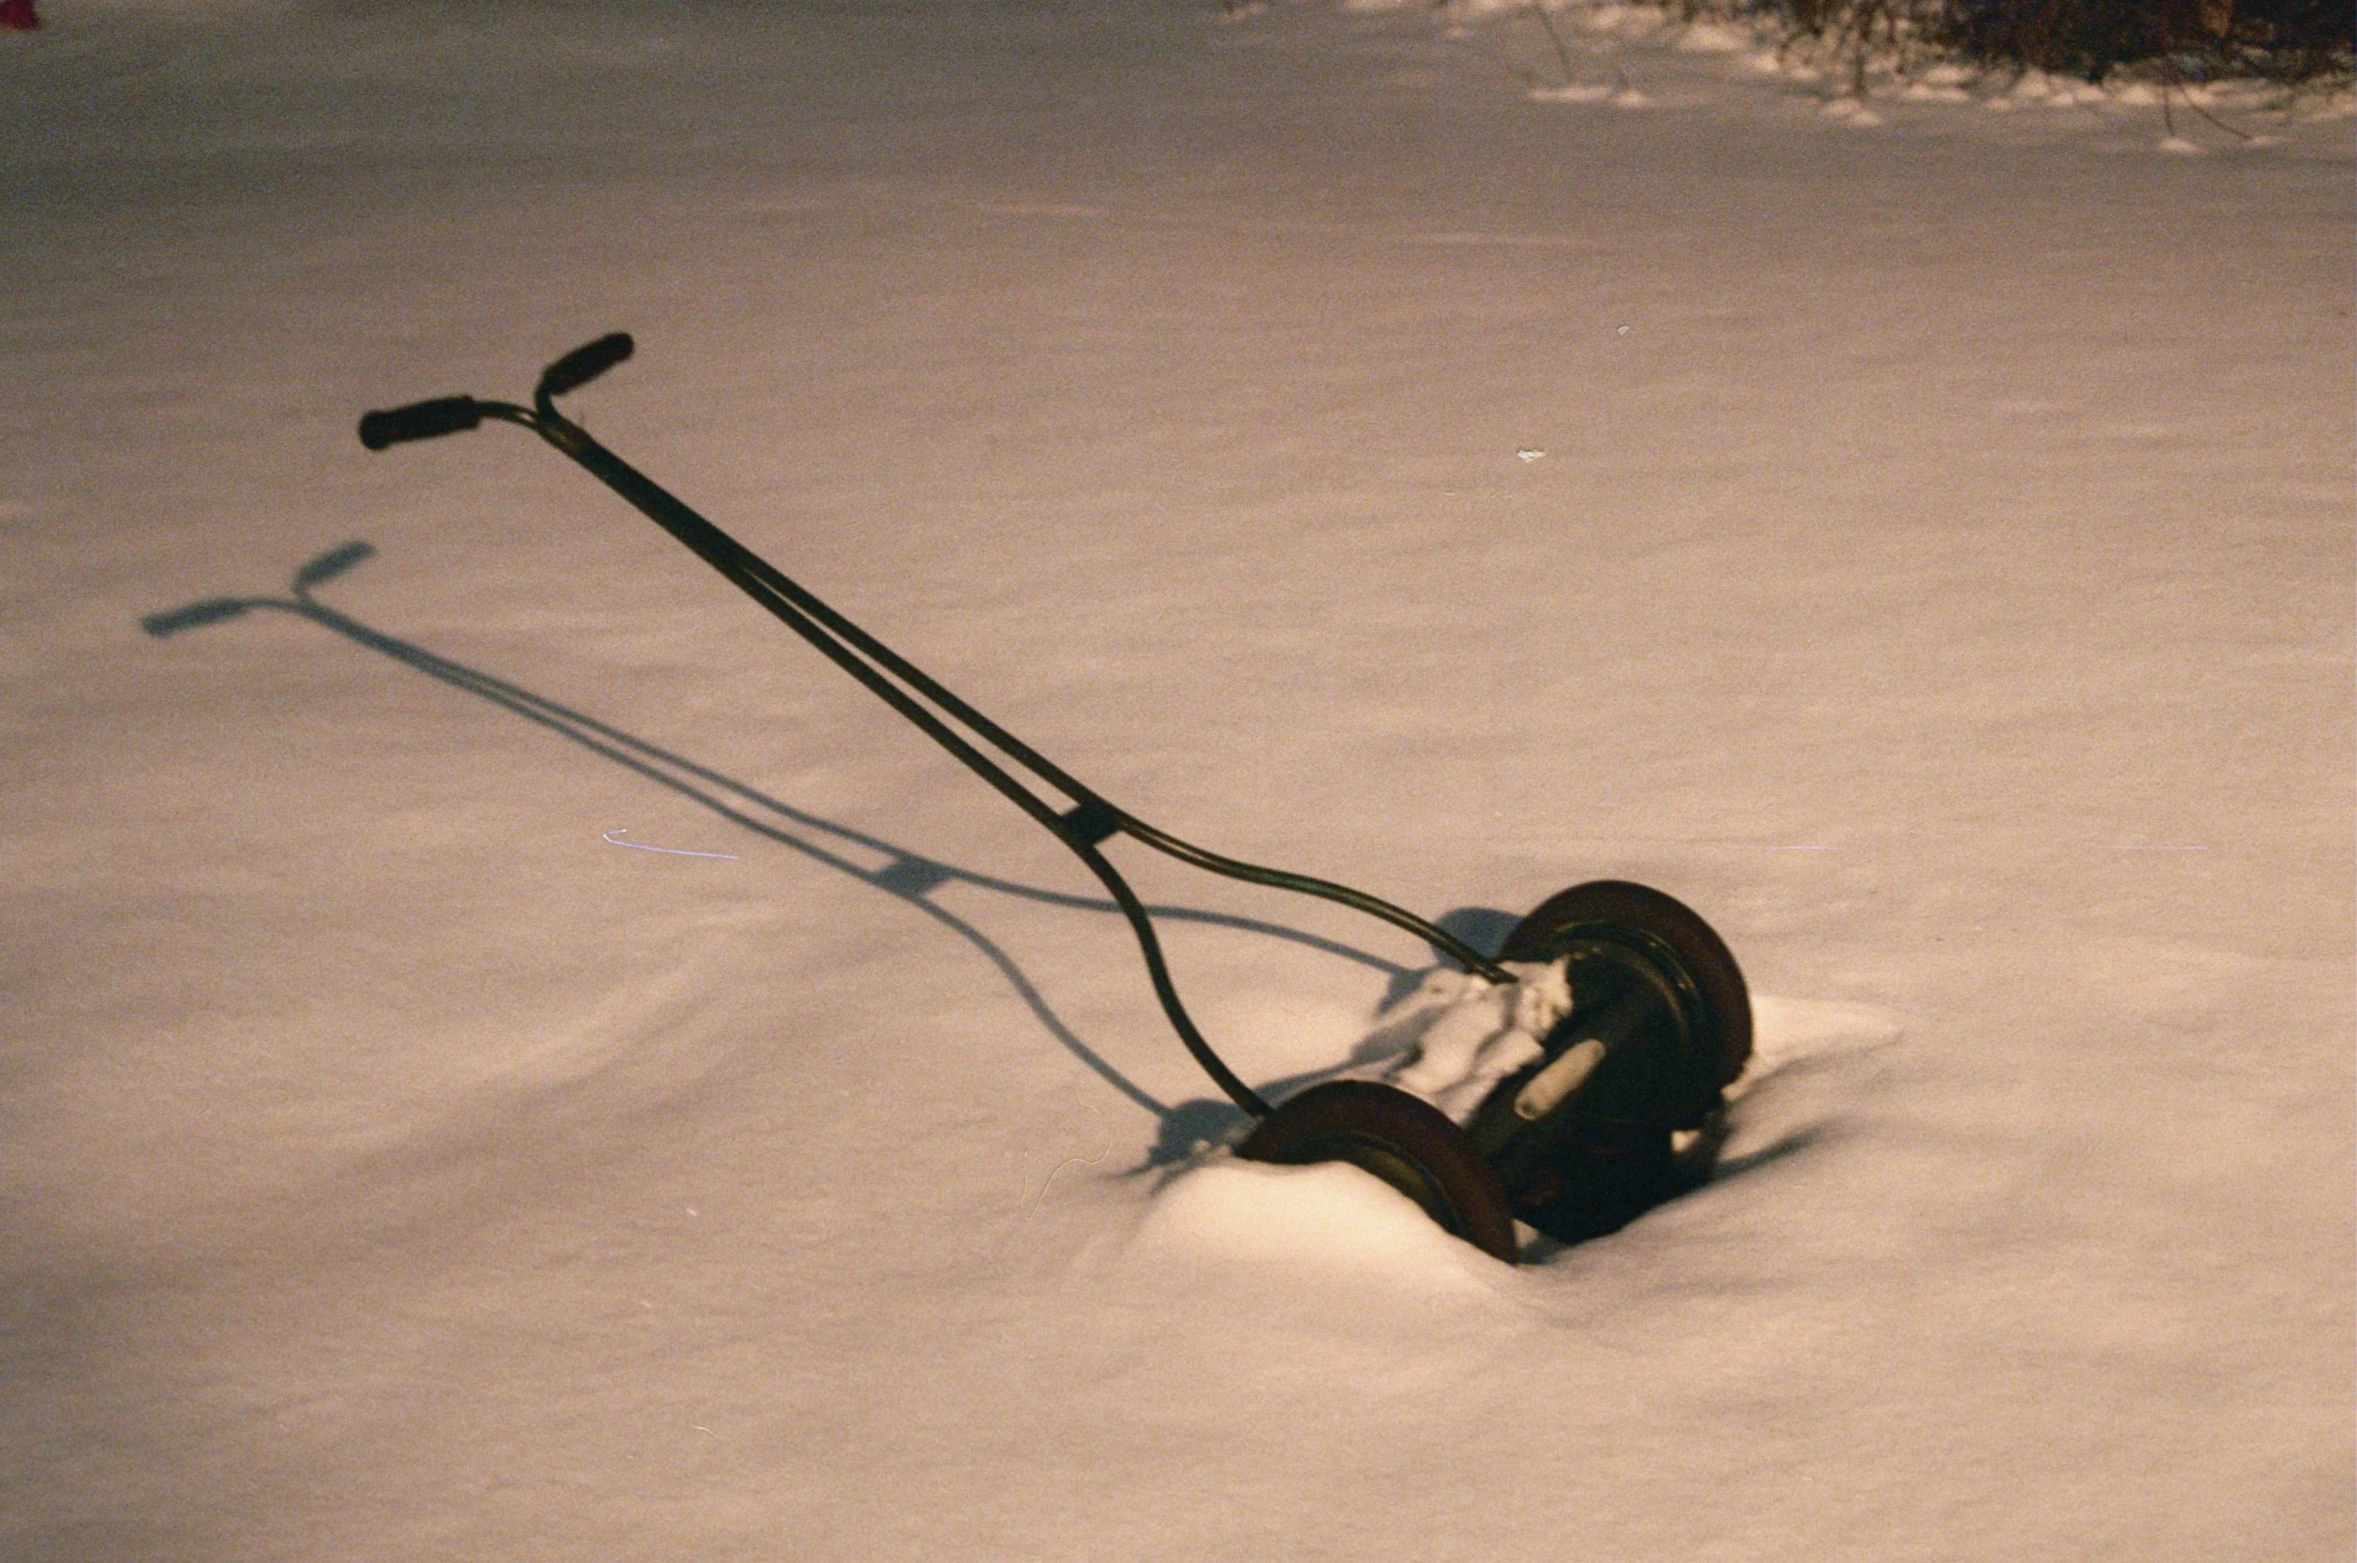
[419, 421]
[900, 684]
[584, 364]
[457, 414]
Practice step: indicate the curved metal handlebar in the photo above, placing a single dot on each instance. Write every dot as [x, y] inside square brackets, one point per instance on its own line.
[900, 684]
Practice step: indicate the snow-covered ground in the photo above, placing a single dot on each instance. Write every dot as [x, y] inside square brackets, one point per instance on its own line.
[1923, 546]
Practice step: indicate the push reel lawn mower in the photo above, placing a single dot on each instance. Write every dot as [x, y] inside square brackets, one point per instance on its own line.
[1576, 1142]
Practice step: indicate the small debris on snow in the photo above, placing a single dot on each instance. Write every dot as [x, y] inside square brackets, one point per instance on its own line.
[624, 830]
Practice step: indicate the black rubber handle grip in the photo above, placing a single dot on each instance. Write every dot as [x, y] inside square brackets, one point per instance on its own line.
[420, 421]
[584, 364]
[172, 623]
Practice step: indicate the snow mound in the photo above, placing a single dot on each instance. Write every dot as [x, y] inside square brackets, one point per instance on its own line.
[1850, 111]
[1330, 1219]
[1785, 1032]
[1575, 92]
[1715, 38]
[1618, 97]
[1637, 21]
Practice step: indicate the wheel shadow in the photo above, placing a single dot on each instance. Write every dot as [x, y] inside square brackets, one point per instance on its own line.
[909, 877]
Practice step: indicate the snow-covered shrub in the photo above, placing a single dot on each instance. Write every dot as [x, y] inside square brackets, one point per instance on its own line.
[2290, 39]
[2285, 39]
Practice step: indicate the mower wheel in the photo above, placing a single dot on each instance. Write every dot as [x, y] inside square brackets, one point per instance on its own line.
[1618, 912]
[1402, 1139]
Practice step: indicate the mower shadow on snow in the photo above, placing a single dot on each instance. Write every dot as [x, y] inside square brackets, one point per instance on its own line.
[907, 876]
[1619, 1189]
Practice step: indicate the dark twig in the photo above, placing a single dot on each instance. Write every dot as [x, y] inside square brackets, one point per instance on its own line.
[1562, 55]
